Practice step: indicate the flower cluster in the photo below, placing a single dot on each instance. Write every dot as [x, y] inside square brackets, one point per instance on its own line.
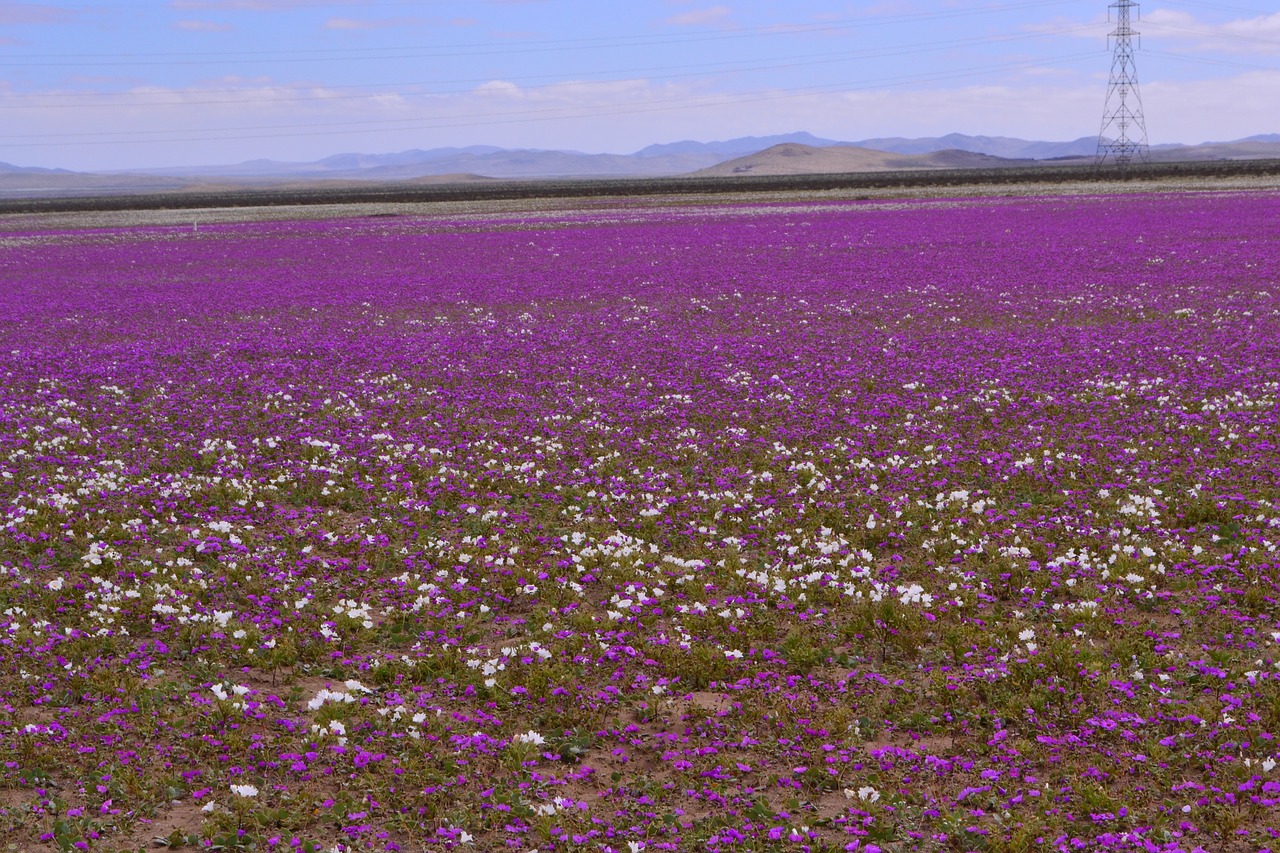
[839, 525]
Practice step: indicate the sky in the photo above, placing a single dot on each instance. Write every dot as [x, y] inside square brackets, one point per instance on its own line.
[168, 83]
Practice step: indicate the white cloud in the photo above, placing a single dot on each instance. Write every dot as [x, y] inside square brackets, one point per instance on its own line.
[498, 87]
[245, 5]
[371, 23]
[714, 16]
[33, 13]
[232, 120]
[1260, 35]
[349, 24]
[204, 26]
[1193, 112]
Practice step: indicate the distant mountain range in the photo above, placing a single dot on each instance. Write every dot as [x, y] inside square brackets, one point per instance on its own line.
[792, 151]
[674, 158]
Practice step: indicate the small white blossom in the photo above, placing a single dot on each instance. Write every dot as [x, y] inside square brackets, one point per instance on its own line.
[866, 793]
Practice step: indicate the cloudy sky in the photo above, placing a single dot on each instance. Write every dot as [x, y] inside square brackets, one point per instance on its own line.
[187, 82]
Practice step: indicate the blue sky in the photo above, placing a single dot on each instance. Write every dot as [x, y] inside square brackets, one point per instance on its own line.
[185, 82]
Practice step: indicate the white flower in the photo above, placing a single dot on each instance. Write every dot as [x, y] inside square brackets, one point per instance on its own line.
[55, 584]
[530, 737]
[219, 691]
[244, 790]
[866, 793]
[327, 695]
[915, 594]
[1026, 634]
[871, 521]
[1268, 764]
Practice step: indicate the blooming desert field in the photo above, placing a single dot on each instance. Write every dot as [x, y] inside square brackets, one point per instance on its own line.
[911, 525]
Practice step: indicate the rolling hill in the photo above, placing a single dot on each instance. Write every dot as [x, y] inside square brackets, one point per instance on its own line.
[795, 159]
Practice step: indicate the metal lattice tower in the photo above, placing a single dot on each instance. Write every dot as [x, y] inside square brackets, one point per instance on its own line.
[1124, 130]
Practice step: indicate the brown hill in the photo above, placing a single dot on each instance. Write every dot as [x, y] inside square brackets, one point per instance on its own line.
[456, 178]
[1243, 150]
[794, 159]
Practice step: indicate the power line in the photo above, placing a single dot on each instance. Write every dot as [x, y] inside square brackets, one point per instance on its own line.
[776, 63]
[1218, 7]
[561, 113]
[488, 49]
[1210, 34]
[250, 6]
[1201, 60]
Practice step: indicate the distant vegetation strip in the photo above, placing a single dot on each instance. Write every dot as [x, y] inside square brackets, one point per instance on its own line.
[399, 193]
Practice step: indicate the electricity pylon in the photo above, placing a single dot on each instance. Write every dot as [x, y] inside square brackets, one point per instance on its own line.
[1124, 130]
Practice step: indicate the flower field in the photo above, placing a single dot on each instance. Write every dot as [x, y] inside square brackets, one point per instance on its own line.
[846, 526]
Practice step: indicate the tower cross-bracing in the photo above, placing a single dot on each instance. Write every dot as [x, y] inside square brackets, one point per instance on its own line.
[1124, 130]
